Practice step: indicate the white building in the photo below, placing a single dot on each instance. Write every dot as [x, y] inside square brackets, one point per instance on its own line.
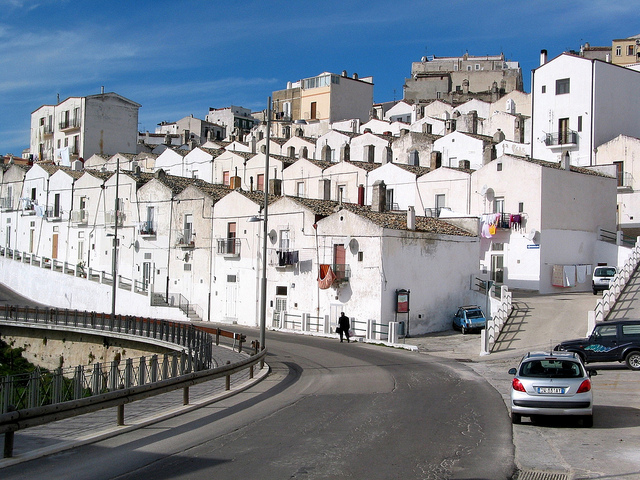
[579, 104]
[79, 127]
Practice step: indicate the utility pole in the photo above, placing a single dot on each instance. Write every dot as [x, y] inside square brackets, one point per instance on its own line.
[114, 263]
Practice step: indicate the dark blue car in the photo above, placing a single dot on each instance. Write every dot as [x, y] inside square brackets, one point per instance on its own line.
[469, 318]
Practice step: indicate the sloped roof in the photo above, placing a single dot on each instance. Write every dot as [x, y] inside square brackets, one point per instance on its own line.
[368, 166]
[558, 166]
[391, 220]
[415, 169]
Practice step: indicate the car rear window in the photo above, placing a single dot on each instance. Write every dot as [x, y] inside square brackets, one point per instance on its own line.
[551, 368]
[474, 313]
[604, 272]
[631, 330]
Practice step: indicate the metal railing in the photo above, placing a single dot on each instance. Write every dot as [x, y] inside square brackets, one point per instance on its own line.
[341, 271]
[616, 286]
[229, 247]
[568, 137]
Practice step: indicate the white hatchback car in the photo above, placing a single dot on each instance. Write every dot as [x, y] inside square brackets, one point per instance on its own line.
[601, 278]
[551, 384]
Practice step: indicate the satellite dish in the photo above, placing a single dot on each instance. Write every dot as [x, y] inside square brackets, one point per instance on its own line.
[353, 245]
[489, 194]
[483, 190]
[532, 234]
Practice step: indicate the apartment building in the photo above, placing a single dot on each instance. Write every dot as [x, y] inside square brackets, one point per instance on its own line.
[78, 127]
[579, 104]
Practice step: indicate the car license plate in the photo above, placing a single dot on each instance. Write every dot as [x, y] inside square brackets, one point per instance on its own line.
[551, 390]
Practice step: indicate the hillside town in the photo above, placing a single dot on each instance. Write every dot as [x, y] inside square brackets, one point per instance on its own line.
[468, 179]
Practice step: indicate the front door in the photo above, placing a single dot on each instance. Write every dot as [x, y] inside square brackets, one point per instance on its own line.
[146, 274]
[54, 246]
[563, 130]
[232, 296]
[497, 268]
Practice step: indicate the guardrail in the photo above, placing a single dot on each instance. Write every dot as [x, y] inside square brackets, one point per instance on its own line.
[13, 421]
[496, 320]
[39, 397]
[616, 285]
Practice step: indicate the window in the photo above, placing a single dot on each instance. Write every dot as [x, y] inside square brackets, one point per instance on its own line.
[580, 123]
[477, 66]
[231, 237]
[521, 207]
[562, 86]
[56, 205]
[284, 240]
[369, 153]
[544, 89]
[188, 229]
[499, 166]
[619, 172]
[618, 51]
[414, 158]
[497, 246]
[314, 110]
[389, 199]
[563, 131]
[225, 178]
[300, 189]
[260, 183]
[441, 202]
[360, 256]
[498, 205]
[630, 50]
[342, 193]
[468, 68]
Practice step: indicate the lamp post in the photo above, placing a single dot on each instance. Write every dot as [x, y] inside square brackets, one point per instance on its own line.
[265, 231]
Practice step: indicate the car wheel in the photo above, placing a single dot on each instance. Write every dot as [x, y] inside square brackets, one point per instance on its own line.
[587, 421]
[595, 292]
[633, 360]
[463, 330]
[516, 418]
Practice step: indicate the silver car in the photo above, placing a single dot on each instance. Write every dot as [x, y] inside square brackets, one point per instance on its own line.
[551, 384]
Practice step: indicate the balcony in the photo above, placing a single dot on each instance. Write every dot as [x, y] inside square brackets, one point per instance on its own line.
[625, 181]
[46, 130]
[80, 216]
[434, 212]
[342, 272]
[147, 229]
[69, 124]
[504, 221]
[229, 247]
[6, 203]
[286, 258]
[187, 241]
[567, 138]
[53, 214]
[27, 207]
[110, 218]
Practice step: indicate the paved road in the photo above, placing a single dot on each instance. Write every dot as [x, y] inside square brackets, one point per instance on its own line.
[608, 450]
[328, 410]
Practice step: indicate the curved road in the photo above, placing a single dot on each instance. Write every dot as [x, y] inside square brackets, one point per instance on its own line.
[327, 410]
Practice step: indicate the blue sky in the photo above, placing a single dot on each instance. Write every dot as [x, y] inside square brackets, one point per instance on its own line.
[182, 57]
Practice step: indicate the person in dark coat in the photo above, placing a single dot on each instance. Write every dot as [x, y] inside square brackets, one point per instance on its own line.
[343, 326]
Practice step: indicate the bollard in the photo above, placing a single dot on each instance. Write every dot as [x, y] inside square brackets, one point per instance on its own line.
[120, 415]
[8, 444]
[227, 379]
[185, 396]
[251, 371]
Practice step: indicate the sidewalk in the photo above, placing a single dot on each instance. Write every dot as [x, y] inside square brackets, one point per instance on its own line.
[539, 322]
[58, 436]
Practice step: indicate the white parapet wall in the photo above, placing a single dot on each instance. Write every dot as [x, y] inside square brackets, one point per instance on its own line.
[56, 289]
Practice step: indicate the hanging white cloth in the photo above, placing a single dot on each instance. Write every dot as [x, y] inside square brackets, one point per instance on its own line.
[581, 273]
[569, 274]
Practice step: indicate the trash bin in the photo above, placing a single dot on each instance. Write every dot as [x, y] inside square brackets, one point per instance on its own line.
[401, 329]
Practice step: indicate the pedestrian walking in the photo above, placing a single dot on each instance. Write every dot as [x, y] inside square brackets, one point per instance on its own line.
[343, 326]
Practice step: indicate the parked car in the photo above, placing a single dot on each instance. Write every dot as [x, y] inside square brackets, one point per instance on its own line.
[612, 341]
[469, 318]
[601, 278]
[551, 384]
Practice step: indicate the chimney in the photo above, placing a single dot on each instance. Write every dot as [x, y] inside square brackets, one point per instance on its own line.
[565, 161]
[378, 196]
[543, 57]
[275, 187]
[102, 90]
[436, 160]
[498, 136]
[450, 125]
[465, 164]
[411, 218]
[474, 121]
[608, 58]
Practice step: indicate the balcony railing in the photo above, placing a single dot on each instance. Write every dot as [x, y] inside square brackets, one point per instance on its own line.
[147, 229]
[229, 247]
[110, 217]
[6, 203]
[79, 216]
[53, 213]
[342, 272]
[625, 180]
[503, 220]
[187, 240]
[568, 137]
[47, 129]
[433, 212]
[69, 124]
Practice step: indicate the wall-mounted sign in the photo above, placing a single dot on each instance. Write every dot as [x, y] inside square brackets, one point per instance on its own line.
[402, 301]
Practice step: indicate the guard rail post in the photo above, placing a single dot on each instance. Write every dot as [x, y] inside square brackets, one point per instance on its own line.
[120, 415]
[8, 438]
[185, 396]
